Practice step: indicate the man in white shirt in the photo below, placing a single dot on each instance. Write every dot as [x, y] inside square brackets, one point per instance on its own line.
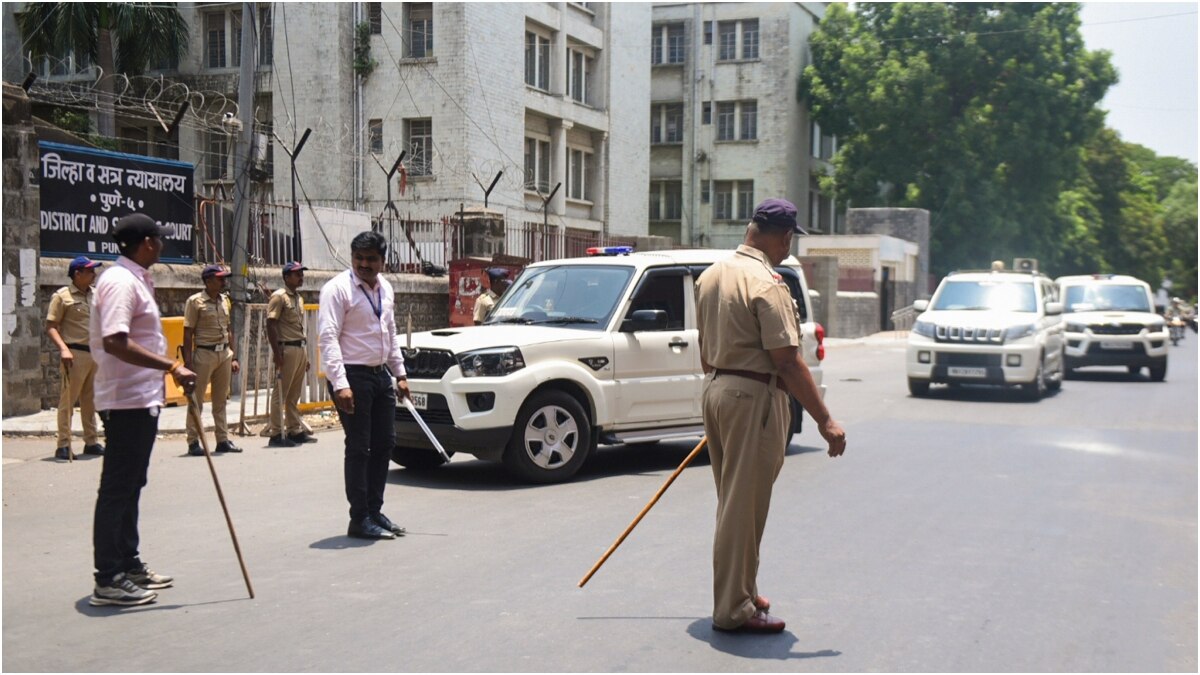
[360, 353]
[129, 348]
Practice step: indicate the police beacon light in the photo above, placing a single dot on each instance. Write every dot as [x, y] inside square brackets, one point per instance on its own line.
[610, 250]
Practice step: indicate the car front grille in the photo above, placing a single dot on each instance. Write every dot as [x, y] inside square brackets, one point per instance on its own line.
[969, 334]
[1116, 329]
[1135, 349]
[427, 364]
[436, 412]
[974, 360]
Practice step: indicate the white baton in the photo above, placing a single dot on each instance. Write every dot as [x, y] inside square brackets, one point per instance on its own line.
[424, 427]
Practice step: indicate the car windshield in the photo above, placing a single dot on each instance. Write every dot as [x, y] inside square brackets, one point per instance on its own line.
[1106, 298]
[580, 295]
[1003, 296]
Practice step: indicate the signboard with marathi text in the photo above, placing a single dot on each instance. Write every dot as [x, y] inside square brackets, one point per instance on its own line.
[84, 191]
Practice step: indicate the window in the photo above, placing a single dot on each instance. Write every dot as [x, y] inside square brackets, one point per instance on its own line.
[375, 17]
[737, 120]
[822, 146]
[666, 123]
[666, 200]
[706, 113]
[214, 42]
[420, 146]
[419, 29]
[265, 37]
[730, 195]
[537, 60]
[708, 32]
[705, 192]
[577, 176]
[537, 165]
[728, 34]
[375, 136]
[750, 39]
[579, 72]
[669, 44]
[661, 290]
[235, 47]
[216, 156]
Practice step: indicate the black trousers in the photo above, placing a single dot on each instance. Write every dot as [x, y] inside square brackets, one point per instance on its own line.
[370, 435]
[130, 437]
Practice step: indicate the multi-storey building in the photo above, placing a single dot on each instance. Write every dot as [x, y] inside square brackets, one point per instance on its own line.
[550, 96]
[726, 128]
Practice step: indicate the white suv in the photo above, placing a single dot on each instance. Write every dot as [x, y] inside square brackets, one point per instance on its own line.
[577, 352]
[1110, 321]
[992, 327]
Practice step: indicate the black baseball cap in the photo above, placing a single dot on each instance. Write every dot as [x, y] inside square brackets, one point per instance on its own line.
[136, 226]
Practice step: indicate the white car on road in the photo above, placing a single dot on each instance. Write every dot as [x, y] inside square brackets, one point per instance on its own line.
[1110, 321]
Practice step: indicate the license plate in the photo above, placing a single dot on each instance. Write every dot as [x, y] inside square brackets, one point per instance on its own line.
[1116, 345]
[420, 401]
[957, 371]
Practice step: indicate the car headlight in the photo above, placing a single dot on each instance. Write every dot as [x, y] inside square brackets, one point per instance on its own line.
[923, 328]
[491, 362]
[1076, 327]
[1018, 332]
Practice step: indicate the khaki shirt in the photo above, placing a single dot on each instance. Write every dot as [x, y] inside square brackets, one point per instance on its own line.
[484, 305]
[72, 309]
[743, 309]
[208, 318]
[287, 308]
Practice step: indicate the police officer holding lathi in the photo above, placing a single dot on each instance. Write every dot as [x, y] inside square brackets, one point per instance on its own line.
[208, 350]
[749, 347]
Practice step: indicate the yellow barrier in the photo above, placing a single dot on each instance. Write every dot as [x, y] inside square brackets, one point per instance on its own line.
[172, 327]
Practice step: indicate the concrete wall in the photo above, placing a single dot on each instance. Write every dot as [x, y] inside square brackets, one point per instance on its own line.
[821, 272]
[908, 224]
[858, 315]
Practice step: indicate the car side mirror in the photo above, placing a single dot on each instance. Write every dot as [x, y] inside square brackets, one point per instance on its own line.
[645, 319]
[1053, 308]
[920, 305]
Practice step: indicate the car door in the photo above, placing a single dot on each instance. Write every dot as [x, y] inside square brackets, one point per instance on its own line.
[658, 370]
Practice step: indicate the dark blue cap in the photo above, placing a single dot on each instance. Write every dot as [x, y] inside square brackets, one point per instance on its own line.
[497, 273]
[82, 263]
[131, 229]
[214, 271]
[777, 214]
[293, 266]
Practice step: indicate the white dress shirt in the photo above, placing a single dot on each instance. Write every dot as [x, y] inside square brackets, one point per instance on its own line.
[124, 303]
[357, 325]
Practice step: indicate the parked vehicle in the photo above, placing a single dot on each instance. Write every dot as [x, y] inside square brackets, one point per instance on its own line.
[1110, 321]
[988, 327]
[576, 353]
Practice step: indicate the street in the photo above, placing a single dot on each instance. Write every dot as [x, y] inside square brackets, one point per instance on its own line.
[968, 531]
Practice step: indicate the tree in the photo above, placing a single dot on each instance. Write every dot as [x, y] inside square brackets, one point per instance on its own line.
[974, 111]
[1179, 229]
[120, 37]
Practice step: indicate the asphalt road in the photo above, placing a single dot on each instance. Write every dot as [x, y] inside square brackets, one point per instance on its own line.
[970, 531]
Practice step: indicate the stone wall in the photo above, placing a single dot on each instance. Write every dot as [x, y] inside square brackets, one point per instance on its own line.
[908, 224]
[821, 272]
[858, 315]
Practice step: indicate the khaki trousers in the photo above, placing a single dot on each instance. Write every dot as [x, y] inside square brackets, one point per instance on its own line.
[77, 386]
[217, 368]
[285, 396]
[746, 458]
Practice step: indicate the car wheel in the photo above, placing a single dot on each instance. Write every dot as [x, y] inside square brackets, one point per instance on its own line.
[418, 459]
[1035, 390]
[551, 439]
[1158, 373]
[918, 388]
[1055, 381]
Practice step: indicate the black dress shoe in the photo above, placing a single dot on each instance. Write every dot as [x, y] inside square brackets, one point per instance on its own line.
[302, 438]
[382, 521]
[281, 441]
[62, 454]
[195, 450]
[227, 446]
[367, 529]
[93, 449]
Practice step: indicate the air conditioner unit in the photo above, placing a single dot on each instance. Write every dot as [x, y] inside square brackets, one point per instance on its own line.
[1025, 264]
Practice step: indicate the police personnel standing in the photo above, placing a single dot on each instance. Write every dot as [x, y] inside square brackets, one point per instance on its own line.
[285, 333]
[208, 351]
[498, 282]
[749, 347]
[67, 325]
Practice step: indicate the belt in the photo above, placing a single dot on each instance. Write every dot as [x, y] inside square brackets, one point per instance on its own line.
[82, 348]
[357, 367]
[750, 374]
[292, 343]
[215, 348]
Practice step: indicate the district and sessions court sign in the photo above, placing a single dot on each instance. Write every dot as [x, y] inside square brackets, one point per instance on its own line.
[84, 191]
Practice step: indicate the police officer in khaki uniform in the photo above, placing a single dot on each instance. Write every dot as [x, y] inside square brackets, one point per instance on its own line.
[749, 346]
[285, 333]
[208, 351]
[498, 282]
[67, 325]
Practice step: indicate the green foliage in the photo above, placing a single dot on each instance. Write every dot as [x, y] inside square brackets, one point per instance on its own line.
[1179, 230]
[974, 111]
[364, 65]
[138, 33]
[71, 120]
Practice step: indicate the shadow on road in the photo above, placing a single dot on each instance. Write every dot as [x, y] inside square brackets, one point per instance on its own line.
[1108, 376]
[981, 394]
[777, 646]
[82, 607]
[341, 542]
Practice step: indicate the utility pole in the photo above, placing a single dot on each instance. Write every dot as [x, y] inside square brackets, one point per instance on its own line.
[241, 155]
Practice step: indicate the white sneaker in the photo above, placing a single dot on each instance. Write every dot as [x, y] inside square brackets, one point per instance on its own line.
[121, 591]
[147, 578]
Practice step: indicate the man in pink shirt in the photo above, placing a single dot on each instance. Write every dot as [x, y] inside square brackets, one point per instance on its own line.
[360, 354]
[128, 345]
